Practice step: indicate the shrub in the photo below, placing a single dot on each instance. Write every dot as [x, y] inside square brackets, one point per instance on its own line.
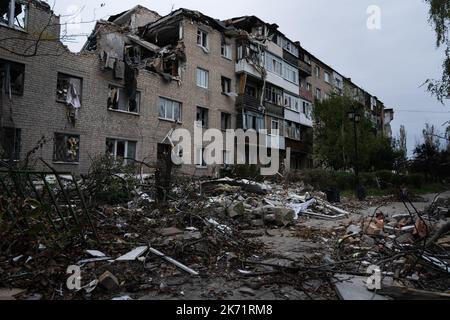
[111, 181]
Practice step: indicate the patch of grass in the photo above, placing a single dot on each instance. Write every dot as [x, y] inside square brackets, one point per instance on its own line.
[375, 192]
[371, 192]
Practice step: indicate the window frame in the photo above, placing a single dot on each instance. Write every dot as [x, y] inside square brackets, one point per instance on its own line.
[293, 100]
[11, 21]
[226, 82]
[205, 113]
[16, 143]
[200, 72]
[66, 137]
[80, 94]
[318, 94]
[200, 34]
[126, 149]
[277, 129]
[201, 152]
[317, 71]
[173, 103]
[9, 64]
[227, 117]
[122, 89]
[326, 77]
[226, 51]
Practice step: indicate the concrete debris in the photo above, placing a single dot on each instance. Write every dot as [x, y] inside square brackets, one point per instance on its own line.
[231, 238]
[108, 281]
[168, 232]
[10, 294]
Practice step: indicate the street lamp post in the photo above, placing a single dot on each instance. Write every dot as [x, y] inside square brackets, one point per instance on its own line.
[355, 118]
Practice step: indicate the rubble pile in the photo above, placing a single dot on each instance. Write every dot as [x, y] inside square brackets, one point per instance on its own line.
[235, 239]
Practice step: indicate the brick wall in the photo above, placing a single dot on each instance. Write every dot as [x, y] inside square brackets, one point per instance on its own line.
[37, 113]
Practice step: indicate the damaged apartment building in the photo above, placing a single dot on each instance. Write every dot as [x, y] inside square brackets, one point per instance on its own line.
[139, 76]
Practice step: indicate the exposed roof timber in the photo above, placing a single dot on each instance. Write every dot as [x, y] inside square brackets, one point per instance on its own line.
[196, 15]
[147, 45]
[272, 26]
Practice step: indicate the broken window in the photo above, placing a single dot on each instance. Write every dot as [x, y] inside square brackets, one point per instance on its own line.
[12, 76]
[226, 85]
[251, 91]
[66, 148]
[274, 95]
[290, 47]
[307, 59]
[307, 109]
[119, 100]
[226, 50]
[202, 78]
[200, 159]
[68, 90]
[169, 110]
[202, 117]
[225, 121]
[17, 18]
[202, 39]
[122, 150]
[10, 144]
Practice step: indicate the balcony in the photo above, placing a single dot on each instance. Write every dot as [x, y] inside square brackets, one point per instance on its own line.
[299, 146]
[248, 102]
[243, 66]
[274, 110]
[305, 94]
[275, 142]
[290, 58]
[304, 68]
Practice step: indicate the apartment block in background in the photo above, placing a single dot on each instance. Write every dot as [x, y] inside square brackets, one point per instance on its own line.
[140, 76]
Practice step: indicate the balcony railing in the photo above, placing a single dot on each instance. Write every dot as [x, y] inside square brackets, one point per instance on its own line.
[299, 146]
[304, 68]
[305, 94]
[290, 58]
[274, 110]
[248, 102]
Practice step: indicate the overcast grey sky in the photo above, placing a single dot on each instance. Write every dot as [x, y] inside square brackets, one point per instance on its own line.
[390, 63]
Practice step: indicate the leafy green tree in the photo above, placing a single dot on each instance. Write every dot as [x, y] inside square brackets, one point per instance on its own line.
[334, 142]
[427, 155]
[439, 18]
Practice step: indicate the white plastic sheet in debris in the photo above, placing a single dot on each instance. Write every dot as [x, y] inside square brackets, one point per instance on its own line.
[133, 255]
[300, 207]
[219, 226]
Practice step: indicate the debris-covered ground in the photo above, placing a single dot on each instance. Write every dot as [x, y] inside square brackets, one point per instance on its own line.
[228, 239]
